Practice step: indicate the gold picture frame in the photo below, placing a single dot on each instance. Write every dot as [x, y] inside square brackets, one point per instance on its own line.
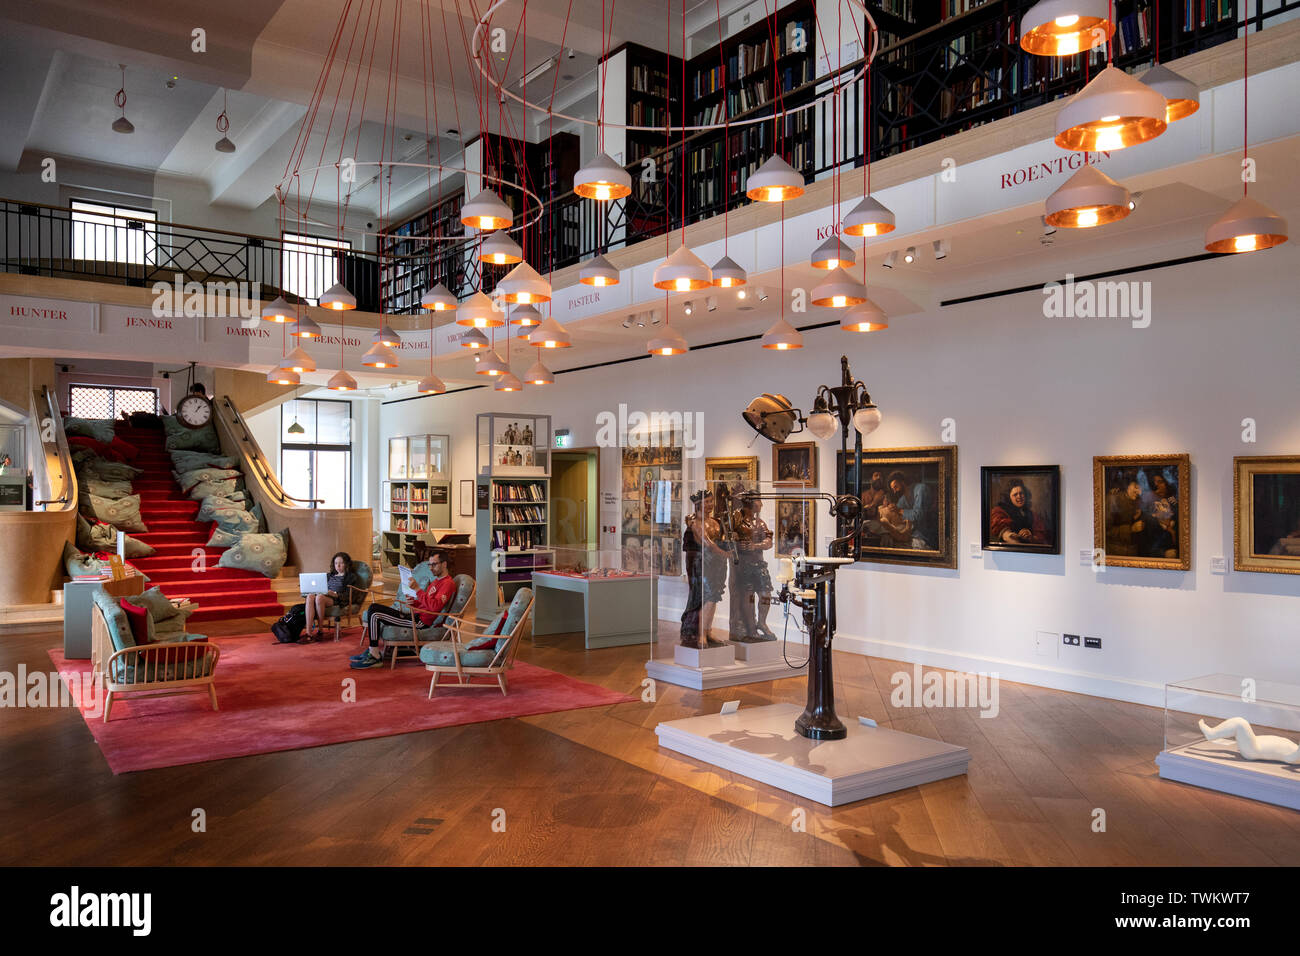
[1249, 510]
[742, 468]
[793, 457]
[1134, 523]
[929, 537]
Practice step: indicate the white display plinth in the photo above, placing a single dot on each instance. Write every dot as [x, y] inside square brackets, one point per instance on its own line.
[1216, 765]
[706, 678]
[698, 657]
[761, 743]
[758, 652]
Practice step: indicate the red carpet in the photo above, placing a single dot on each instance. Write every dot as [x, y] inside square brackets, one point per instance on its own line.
[221, 593]
[287, 697]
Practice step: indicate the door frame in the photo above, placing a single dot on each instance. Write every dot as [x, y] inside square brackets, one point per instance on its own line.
[593, 453]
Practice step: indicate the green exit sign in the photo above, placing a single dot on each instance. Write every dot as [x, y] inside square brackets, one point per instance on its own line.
[563, 439]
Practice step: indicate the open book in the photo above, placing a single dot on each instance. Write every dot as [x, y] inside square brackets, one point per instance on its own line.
[406, 587]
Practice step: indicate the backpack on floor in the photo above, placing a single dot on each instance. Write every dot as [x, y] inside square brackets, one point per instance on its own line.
[288, 629]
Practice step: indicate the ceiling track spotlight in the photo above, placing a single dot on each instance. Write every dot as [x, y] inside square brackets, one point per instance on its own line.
[910, 255]
[941, 248]
[688, 307]
[891, 260]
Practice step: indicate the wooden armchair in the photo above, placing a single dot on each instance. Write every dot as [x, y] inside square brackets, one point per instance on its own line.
[456, 657]
[350, 614]
[397, 633]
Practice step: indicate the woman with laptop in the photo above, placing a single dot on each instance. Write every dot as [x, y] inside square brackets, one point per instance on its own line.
[338, 584]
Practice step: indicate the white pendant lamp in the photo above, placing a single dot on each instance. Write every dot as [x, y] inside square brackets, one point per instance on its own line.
[523, 286]
[1065, 27]
[867, 419]
[782, 336]
[486, 211]
[475, 340]
[491, 364]
[867, 317]
[683, 271]
[379, 356]
[1182, 96]
[774, 181]
[832, 254]
[539, 374]
[278, 310]
[500, 250]
[338, 298]
[727, 273]
[509, 382]
[599, 272]
[1246, 226]
[839, 291]
[1113, 111]
[305, 327]
[386, 335]
[298, 361]
[602, 179]
[525, 316]
[868, 218]
[479, 312]
[431, 385]
[283, 376]
[439, 299]
[550, 335]
[1088, 198]
[670, 343]
[822, 424]
[122, 124]
[341, 381]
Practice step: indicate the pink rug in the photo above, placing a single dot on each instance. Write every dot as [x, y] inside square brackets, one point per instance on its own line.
[287, 697]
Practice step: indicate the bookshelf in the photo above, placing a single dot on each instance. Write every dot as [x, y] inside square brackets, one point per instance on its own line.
[410, 264]
[419, 483]
[513, 509]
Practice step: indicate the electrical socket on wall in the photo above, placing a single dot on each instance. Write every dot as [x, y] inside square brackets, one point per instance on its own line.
[1047, 644]
[1071, 640]
[1093, 642]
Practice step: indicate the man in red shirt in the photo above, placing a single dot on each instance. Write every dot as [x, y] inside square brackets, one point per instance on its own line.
[426, 605]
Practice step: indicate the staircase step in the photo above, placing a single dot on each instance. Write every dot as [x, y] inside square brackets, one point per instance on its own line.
[221, 612]
[215, 591]
[186, 551]
[168, 578]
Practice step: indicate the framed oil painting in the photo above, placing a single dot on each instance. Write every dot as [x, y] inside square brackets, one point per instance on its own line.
[732, 471]
[1020, 508]
[794, 464]
[1266, 514]
[796, 527]
[1142, 510]
[909, 503]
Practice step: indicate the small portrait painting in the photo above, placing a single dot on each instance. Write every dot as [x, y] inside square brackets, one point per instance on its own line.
[795, 524]
[1142, 511]
[795, 463]
[1266, 513]
[1020, 508]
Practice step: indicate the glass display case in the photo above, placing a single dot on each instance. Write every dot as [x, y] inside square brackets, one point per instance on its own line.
[590, 594]
[13, 468]
[1236, 734]
[513, 443]
[417, 495]
[419, 457]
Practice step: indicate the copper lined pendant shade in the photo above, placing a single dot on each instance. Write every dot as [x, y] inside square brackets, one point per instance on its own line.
[782, 336]
[1088, 198]
[1247, 226]
[479, 312]
[523, 286]
[866, 317]
[683, 271]
[1182, 96]
[500, 250]
[868, 218]
[486, 211]
[774, 181]
[1065, 27]
[1112, 112]
[602, 179]
[839, 291]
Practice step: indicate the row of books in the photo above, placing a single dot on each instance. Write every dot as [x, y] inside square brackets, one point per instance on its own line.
[899, 8]
[521, 491]
[643, 113]
[1133, 31]
[415, 524]
[746, 141]
[753, 95]
[645, 79]
[953, 8]
[515, 539]
[520, 514]
[1204, 13]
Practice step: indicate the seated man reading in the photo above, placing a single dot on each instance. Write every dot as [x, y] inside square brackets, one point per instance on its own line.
[426, 605]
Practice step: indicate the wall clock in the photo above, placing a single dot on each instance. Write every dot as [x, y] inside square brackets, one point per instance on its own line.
[194, 411]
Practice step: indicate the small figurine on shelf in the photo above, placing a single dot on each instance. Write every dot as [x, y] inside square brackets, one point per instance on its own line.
[527, 437]
[528, 456]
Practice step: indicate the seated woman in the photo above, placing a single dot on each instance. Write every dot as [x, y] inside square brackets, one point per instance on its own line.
[338, 583]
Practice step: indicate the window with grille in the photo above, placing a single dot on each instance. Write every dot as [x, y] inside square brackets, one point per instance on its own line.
[107, 401]
[309, 264]
[105, 232]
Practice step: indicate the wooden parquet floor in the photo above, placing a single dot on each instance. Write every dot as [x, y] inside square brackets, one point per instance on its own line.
[591, 787]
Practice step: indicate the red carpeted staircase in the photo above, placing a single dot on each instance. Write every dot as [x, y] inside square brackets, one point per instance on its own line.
[221, 593]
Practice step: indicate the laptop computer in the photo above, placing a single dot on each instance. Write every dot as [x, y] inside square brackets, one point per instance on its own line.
[312, 584]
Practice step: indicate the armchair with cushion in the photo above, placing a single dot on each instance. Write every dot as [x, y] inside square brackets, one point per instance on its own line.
[171, 664]
[350, 613]
[397, 633]
[476, 649]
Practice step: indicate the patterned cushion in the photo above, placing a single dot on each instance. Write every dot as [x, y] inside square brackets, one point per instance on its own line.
[264, 553]
[181, 438]
[78, 562]
[443, 654]
[256, 512]
[183, 461]
[234, 519]
[221, 538]
[225, 488]
[123, 514]
[103, 537]
[210, 504]
[160, 607]
[104, 489]
[189, 479]
[110, 470]
[100, 429]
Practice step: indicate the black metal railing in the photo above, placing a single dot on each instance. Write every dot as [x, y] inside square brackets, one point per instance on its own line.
[962, 73]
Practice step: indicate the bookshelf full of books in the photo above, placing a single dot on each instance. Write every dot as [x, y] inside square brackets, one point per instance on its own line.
[410, 263]
[419, 483]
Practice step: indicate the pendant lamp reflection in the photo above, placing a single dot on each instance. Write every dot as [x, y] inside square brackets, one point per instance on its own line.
[1113, 111]
[774, 181]
[1088, 198]
[602, 179]
[1065, 27]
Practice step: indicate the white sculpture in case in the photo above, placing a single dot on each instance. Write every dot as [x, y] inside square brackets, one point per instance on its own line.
[1250, 746]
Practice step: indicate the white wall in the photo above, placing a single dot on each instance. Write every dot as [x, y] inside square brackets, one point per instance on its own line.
[1023, 389]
